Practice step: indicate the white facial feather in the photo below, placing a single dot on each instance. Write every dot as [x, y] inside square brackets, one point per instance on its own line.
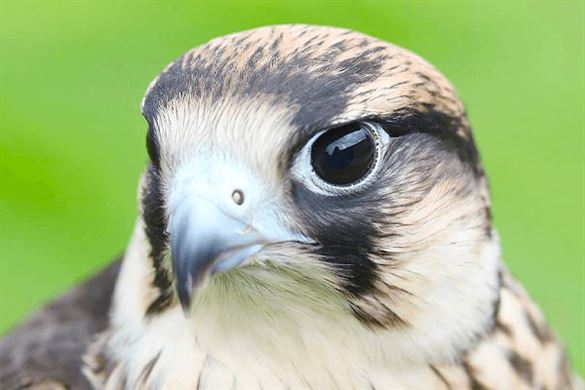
[260, 325]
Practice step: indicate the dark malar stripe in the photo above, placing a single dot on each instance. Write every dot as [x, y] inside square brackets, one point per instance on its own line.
[155, 228]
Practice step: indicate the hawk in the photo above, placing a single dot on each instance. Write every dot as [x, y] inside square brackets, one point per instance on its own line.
[314, 214]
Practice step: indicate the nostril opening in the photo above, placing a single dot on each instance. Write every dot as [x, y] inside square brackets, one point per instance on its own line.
[238, 197]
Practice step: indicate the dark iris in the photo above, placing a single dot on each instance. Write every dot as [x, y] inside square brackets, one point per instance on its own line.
[343, 155]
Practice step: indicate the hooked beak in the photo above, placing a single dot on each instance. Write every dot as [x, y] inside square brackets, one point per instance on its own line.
[206, 240]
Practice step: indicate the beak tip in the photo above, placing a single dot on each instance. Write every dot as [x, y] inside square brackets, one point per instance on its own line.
[186, 310]
[184, 291]
[188, 287]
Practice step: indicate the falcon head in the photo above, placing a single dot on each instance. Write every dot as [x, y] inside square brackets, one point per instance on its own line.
[299, 171]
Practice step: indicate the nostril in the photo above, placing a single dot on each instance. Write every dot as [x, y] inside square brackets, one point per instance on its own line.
[238, 197]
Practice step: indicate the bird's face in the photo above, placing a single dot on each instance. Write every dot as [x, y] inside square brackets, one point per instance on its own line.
[318, 161]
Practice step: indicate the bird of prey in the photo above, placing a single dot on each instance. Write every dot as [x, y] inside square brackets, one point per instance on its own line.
[313, 215]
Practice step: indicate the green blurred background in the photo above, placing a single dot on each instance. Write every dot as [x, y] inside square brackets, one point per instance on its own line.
[72, 138]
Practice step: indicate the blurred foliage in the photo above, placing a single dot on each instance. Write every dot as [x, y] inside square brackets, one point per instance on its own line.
[72, 75]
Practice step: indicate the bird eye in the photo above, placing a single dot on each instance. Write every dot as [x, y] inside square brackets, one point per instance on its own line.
[341, 160]
[344, 155]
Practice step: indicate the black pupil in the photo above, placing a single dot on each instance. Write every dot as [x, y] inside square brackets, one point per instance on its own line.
[344, 155]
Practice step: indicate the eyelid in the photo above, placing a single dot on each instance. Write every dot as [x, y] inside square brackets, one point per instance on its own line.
[379, 132]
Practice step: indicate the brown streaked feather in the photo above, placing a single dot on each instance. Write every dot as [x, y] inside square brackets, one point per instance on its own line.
[46, 350]
[515, 354]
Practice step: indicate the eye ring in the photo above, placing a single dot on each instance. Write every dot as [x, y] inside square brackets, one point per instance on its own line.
[354, 148]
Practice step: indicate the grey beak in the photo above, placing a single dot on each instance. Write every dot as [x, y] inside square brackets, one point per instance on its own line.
[205, 240]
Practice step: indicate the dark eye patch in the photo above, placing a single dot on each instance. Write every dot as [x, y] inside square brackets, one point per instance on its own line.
[440, 125]
[153, 146]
